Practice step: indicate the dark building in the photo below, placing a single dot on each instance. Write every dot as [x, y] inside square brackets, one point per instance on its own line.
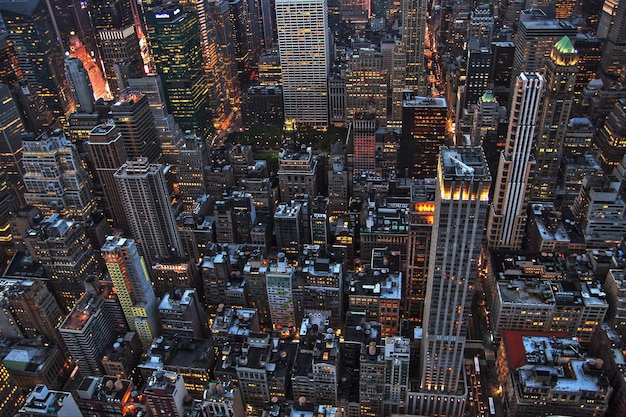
[262, 105]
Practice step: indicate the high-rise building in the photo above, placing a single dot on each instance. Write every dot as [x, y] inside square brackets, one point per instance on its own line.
[80, 85]
[614, 55]
[461, 202]
[414, 39]
[220, 15]
[278, 281]
[177, 49]
[88, 331]
[134, 120]
[40, 52]
[507, 220]
[305, 59]
[552, 125]
[55, 177]
[366, 86]
[11, 129]
[121, 55]
[63, 249]
[193, 157]
[182, 314]
[145, 199]
[297, 171]
[611, 138]
[166, 393]
[289, 228]
[363, 131]
[107, 154]
[477, 78]
[424, 130]
[169, 134]
[133, 287]
[337, 179]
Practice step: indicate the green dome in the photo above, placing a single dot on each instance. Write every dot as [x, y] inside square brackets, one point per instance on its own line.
[565, 46]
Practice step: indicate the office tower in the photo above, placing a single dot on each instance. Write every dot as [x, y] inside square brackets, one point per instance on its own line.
[106, 153]
[182, 314]
[288, 228]
[507, 220]
[477, 78]
[143, 191]
[502, 69]
[121, 56]
[611, 138]
[80, 85]
[278, 281]
[337, 82]
[414, 40]
[614, 55]
[64, 251]
[262, 105]
[363, 131]
[133, 287]
[486, 117]
[297, 171]
[246, 31]
[220, 15]
[534, 40]
[40, 53]
[320, 226]
[11, 397]
[88, 331]
[192, 158]
[111, 14]
[133, 118]
[35, 310]
[397, 84]
[177, 49]
[461, 203]
[254, 275]
[8, 204]
[91, 67]
[337, 179]
[166, 393]
[366, 86]
[354, 11]
[421, 218]
[560, 78]
[480, 31]
[11, 129]
[55, 177]
[305, 60]
[234, 218]
[169, 134]
[424, 130]
[397, 365]
[589, 48]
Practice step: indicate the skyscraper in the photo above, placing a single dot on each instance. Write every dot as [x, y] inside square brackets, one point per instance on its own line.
[461, 202]
[414, 38]
[507, 220]
[121, 56]
[561, 69]
[193, 157]
[305, 59]
[40, 53]
[107, 153]
[614, 56]
[133, 287]
[55, 178]
[147, 205]
[11, 130]
[176, 45]
[80, 86]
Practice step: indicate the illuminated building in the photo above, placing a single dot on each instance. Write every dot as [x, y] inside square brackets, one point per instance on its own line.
[305, 59]
[8, 204]
[366, 85]
[262, 105]
[169, 134]
[485, 125]
[611, 138]
[177, 48]
[182, 315]
[31, 363]
[355, 11]
[560, 78]
[134, 120]
[421, 218]
[269, 68]
[478, 69]
[502, 69]
[589, 48]
[297, 171]
[55, 177]
[40, 54]
[414, 40]
[107, 153]
[105, 396]
[536, 35]
[337, 82]
[133, 287]
[461, 205]
[278, 281]
[166, 393]
[80, 85]
[424, 130]
[192, 158]
[386, 225]
[44, 402]
[507, 220]
[88, 331]
[363, 132]
[11, 398]
[288, 228]
[112, 14]
[34, 310]
[121, 56]
[147, 205]
[535, 379]
[11, 129]
[614, 54]
[220, 15]
[93, 71]
[174, 274]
